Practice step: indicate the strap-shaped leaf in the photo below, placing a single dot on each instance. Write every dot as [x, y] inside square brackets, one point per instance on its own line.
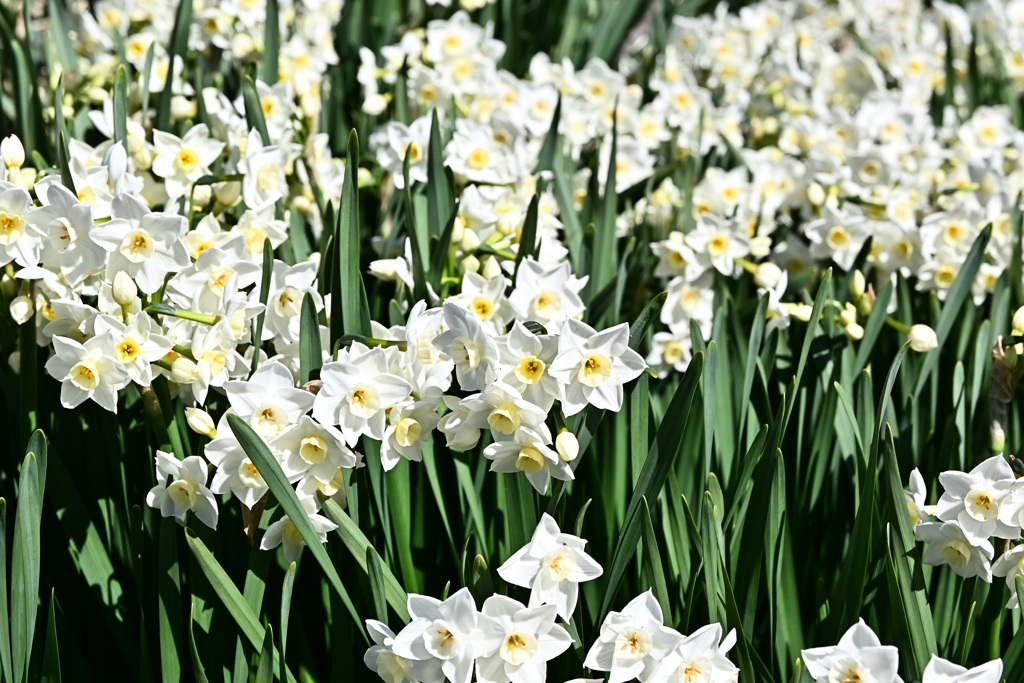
[271, 472]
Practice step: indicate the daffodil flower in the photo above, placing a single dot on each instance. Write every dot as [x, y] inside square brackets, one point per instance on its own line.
[699, 658]
[527, 453]
[182, 161]
[949, 544]
[859, 656]
[632, 641]
[526, 359]
[269, 399]
[552, 565]
[181, 486]
[410, 424]
[452, 631]
[529, 640]
[940, 670]
[283, 531]
[593, 366]
[382, 660]
[467, 343]
[974, 500]
[136, 345]
[308, 447]
[87, 371]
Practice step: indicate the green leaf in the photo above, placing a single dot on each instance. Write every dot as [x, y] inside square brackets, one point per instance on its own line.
[710, 534]
[652, 477]
[5, 627]
[177, 49]
[25, 560]
[222, 585]
[147, 72]
[528, 240]
[265, 670]
[267, 465]
[197, 666]
[59, 31]
[271, 44]
[824, 291]
[546, 158]
[876, 320]
[710, 384]
[121, 106]
[440, 252]
[521, 509]
[376, 573]
[604, 262]
[253, 107]
[652, 565]
[355, 313]
[51, 656]
[399, 498]
[169, 597]
[286, 607]
[357, 543]
[310, 352]
[955, 298]
[440, 198]
[257, 329]
[63, 160]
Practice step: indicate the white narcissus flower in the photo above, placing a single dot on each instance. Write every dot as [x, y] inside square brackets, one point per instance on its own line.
[452, 631]
[974, 500]
[181, 486]
[308, 447]
[503, 410]
[87, 371]
[632, 641]
[941, 671]
[288, 286]
[468, 344]
[283, 531]
[593, 366]
[218, 270]
[135, 345]
[67, 227]
[858, 656]
[950, 545]
[459, 431]
[144, 244]
[700, 658]
[269, 400]
[525, 361]
[916, 494]
[20, 236]
[236, 473]
[547, 294]
[552, 565]
[382, 660]
[182, 161]
[530, 639]
[410, 423]
[837, 236]
[527, 453]
[356, 393]
[486, 300]
[719, 242]
[1010, 565]
[264, 171]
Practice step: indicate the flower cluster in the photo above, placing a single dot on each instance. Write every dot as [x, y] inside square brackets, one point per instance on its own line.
[508, 641]
[860, 656]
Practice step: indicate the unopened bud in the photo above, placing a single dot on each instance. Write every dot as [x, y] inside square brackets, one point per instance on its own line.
[815, 194]
[200, 422]
[1018, 321]
[228, 193]
[767, 275]
[800, 311]
[470, 264]
[998, 437]
[854, 332]
[201, 195]
[375, 104]
[922, 338]
[857, 285]
[22, 309]
[567, 446]
[184, 371]
[242, 45]
[13, 152]
[183, 108]
[490, 268]
[124, 289]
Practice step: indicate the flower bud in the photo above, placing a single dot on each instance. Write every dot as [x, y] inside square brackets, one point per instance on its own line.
[1018, 321]
[201, 196]
[760, 246]
[767, 275]
[25, 178]
[183, 108]
[384, 269]
[848, 316]
[228, 193]
[470, 264]
[14, 361]
[815, 194]
[200, 422]
[854, 332]
[22, 309]
[922, 338]
[490, 268]
[183, 371]
[375, 104]
[857, 285]
[567, 446]
[801, 312]
[13, 152]
[242, 45]
[998, 437]
[124, 289]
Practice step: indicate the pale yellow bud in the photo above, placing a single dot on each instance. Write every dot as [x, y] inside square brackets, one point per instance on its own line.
[124, 289]
[13, 152]
[184, 371]
[857, 285]
[767, 275]
[200, 422]
[815, 194]
[1018, 322]
[854, 332]
[922, 338]
[567, 446]
[22, 309]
